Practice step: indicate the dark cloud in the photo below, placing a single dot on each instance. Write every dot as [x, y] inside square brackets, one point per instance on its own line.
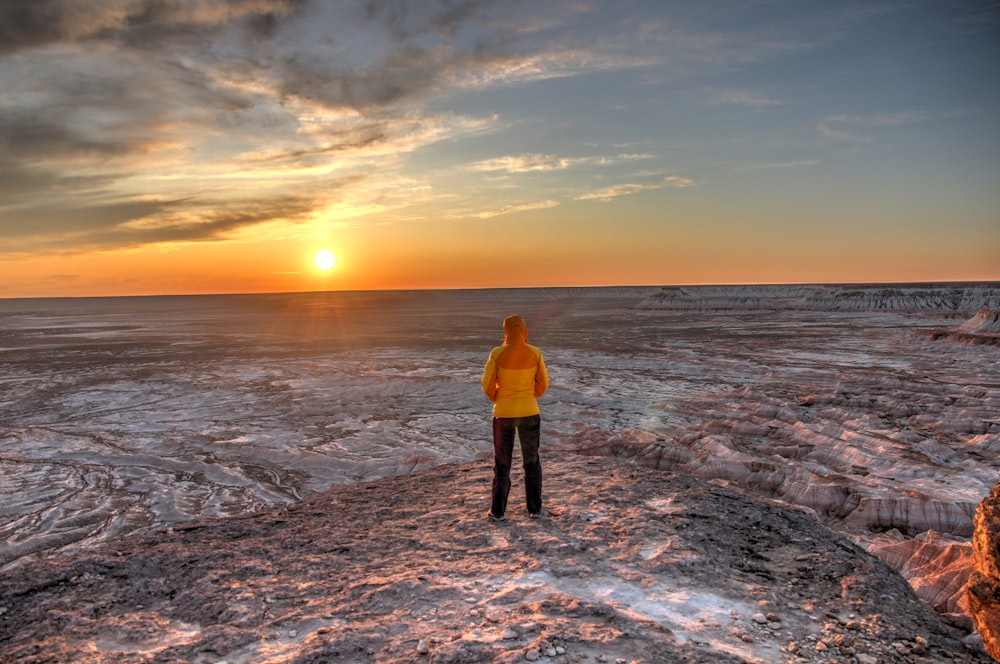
[26, 24]
[264, 24]
[78, 225]
[29, 23]
[21, 184]
[406, 18]
[18, 185]
[36, 136]
[135, 223]
[214, 222]
[337, 142]
[402, 75]
[31, 148]
[422, 51]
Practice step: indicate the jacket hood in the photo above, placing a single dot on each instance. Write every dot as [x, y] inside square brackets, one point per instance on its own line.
[514, 329]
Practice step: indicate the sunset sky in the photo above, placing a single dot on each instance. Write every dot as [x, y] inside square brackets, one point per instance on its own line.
[213, 146]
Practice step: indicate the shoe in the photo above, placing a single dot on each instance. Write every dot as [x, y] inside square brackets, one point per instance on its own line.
[535, 515]
[493, 517]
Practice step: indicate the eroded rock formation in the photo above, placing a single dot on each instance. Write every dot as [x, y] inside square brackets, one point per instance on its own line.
[984, 322]
[937, 567]
[984, 584]
[983, 328]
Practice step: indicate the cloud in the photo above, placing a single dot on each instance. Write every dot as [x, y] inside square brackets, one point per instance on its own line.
[610, 193]
[27, 24]
[842, 135]
[33, 135]
[522, 207]
[802, 163]
[71, 223]
[526, 163]
[741, 98]
[679, 182]
[368, 55]
[136, 223]
[882, 119]
[850, 128]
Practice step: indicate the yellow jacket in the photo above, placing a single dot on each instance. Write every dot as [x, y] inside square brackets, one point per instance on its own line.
[514, 378]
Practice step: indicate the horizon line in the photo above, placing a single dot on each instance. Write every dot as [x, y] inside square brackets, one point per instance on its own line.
[962, 283]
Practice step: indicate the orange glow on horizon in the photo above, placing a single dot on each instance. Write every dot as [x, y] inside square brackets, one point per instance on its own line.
[468, 256]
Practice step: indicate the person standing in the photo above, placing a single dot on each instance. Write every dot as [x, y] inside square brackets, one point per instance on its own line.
[513, 379]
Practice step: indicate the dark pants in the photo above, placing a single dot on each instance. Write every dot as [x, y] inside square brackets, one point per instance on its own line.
[528, 431]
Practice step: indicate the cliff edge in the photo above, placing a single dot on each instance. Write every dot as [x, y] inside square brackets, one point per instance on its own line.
[627, 564]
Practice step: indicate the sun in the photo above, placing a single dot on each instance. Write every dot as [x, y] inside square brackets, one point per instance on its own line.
[324, 260]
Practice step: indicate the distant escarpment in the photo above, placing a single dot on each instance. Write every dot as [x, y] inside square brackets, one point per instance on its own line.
[876, 297]
[984, 584]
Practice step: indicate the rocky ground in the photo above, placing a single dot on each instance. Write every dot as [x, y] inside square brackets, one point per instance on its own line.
[628, 564]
